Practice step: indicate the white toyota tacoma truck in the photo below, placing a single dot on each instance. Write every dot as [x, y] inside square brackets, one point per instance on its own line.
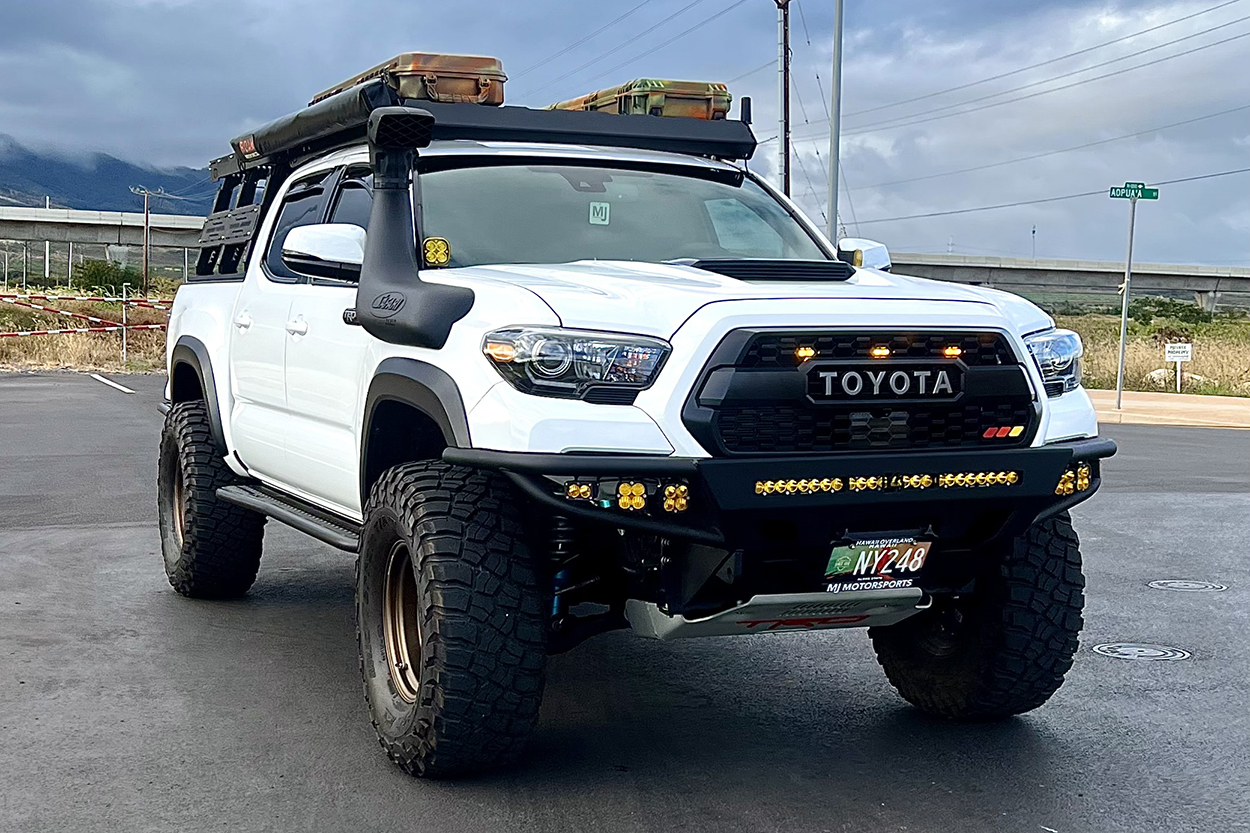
[550, 373]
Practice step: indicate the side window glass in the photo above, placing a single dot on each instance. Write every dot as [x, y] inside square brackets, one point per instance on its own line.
[303, 205]
[742, 231]
[353, 204]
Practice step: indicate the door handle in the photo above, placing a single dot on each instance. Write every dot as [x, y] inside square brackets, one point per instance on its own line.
[243, 321]
[299, 327]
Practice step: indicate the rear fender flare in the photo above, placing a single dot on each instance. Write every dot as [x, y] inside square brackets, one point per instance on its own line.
[190, 351]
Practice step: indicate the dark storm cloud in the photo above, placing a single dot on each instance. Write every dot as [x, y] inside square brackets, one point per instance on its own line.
[170, 81]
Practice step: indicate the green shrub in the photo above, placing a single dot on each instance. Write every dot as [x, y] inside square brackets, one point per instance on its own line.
[107, 278]
[1149, 307]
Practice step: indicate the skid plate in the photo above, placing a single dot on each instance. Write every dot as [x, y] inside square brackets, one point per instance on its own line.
[782, 614]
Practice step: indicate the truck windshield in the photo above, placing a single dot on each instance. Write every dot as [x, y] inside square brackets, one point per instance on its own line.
[525, 213]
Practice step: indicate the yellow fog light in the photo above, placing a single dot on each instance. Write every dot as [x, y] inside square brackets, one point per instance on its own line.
[437, 251]
[879, 352]
[804, 353]
[952, 352]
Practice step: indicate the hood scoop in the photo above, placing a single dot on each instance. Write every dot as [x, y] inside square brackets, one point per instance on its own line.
[763, 269]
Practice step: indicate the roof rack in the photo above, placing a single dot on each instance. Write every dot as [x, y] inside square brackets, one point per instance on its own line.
[341, 120]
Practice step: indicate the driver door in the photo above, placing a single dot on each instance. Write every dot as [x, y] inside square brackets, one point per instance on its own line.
[326, 370]
[259, 335]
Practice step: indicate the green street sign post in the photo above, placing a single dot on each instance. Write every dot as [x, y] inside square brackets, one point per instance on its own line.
[1134, 191]
[1131, 191]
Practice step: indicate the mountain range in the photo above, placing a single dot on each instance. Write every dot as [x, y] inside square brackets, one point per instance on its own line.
[97, 182]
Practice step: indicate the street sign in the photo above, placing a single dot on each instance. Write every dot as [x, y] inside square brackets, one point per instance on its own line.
[1178, 352]
[1131, 191]
[1134, 191]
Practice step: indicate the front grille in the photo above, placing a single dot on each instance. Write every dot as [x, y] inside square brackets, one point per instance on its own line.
[794, 430]
[784, 419]
[778, 349]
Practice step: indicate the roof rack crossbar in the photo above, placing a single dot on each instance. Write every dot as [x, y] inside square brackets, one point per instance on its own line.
[342, 119]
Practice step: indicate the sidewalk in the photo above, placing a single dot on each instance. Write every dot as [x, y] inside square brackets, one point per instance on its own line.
[1173, 409]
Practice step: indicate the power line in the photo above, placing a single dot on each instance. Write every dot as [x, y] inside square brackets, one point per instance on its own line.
[615, 49]
[811, 188]
[1053, 152]
[759, 68]
[578, 43]
[660, 46]
[1033, 66]
[877, 128]
[1045, 199]
[1061, 75]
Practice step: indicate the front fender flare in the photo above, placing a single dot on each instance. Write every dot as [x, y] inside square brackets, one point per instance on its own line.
[422, 386]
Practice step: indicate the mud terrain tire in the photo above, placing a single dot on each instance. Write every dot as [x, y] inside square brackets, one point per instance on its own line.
[1003, 650]
[211, 548]
[450, 620]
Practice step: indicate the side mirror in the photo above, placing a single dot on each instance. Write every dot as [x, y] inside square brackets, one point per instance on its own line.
[325, 250]
[859, 251]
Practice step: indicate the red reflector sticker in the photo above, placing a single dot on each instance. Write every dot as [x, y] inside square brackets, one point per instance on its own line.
[989, 433]
[1004, 431]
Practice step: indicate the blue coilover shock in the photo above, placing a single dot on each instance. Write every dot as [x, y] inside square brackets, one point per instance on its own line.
[562, 538]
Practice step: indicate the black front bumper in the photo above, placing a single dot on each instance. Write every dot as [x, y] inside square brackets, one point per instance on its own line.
[967, 497]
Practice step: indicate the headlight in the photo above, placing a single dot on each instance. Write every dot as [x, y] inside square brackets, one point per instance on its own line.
[575, 364]
[1057, 354]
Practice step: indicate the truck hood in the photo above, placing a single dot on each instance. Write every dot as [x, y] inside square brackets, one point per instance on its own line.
[656, 298]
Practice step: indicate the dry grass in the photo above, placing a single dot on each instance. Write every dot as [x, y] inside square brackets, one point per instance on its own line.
[1221, 353]
[145, 349]
[1221, 349]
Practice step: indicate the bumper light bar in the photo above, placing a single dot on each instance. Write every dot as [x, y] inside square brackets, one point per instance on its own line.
[889, 483]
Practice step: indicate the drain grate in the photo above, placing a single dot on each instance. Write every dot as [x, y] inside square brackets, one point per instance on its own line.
[1186, 586]
[1138, 650]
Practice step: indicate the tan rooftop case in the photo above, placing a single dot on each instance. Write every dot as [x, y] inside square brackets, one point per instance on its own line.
[449, 79]
[656, 97]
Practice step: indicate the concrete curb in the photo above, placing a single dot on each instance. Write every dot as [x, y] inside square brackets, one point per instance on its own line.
[1172, 409]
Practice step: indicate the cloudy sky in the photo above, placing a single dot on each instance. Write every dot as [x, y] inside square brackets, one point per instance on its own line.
[168, 82]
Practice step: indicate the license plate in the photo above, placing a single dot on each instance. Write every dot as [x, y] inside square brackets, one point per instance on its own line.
[875, 564]
[884, 382]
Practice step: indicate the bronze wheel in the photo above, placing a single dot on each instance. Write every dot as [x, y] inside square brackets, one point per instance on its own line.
[401, 625]
[178, 508]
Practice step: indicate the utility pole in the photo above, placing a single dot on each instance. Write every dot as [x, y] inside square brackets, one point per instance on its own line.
[783, 89]
[147, 229]
[835, 122]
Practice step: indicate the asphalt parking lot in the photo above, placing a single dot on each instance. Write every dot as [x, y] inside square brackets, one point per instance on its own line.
[126, 707]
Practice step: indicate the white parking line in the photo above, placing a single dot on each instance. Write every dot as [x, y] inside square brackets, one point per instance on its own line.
[111, 383]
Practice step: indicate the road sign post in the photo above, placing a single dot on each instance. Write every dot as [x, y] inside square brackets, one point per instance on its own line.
[1131, 191]
[1178, 352]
